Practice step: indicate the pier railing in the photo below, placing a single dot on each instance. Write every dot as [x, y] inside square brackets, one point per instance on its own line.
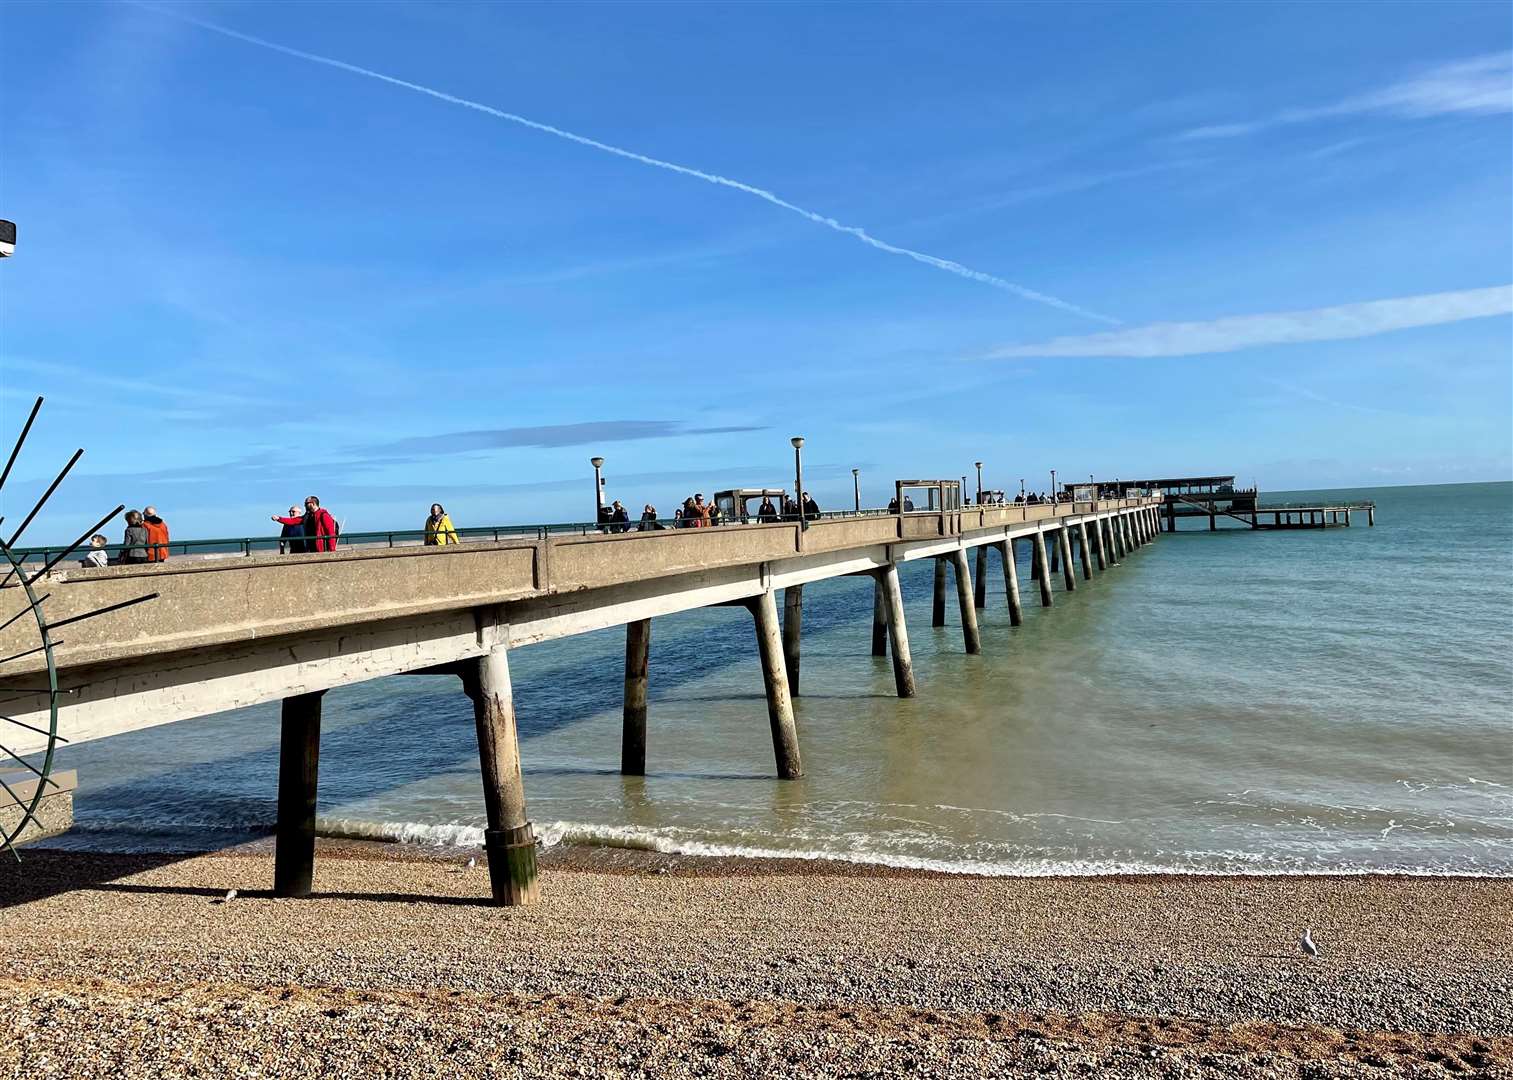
[965, 518]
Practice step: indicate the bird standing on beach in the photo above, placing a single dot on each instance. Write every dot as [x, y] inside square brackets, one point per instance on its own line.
[1306, 941]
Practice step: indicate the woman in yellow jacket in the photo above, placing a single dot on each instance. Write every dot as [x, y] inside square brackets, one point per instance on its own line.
[439, 527]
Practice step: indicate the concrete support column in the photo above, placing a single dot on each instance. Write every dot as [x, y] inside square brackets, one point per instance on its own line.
[1011, 582]
[785, 736]
[508, 839]
[980, 581]
[1042, 569]
[1129, 533]
[1347, 518]
[1213, 522]
[879, 620]
[793, 622]
[1087, 556]
[1171, 517]
[1055, 556]
[633, 732]
[1097, 534]
[1064, 545]
[298, 766]
[898, 633]
[1106, 540]
[969, 632]
[1120, 551]
[938, 596]
[1371, 516]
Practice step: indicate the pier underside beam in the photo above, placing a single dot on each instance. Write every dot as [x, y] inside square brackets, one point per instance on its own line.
[508, 839]
[971, 636]
[793, 624]
[633, 735]
[298, 765]
[1042, 569]
[1011, 582]
[785, 738]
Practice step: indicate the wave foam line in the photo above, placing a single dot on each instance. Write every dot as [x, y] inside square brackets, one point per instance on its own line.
[634, 838]
[859, 233]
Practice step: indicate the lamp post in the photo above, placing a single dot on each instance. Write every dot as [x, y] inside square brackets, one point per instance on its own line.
[1021, 489]
[856, 488]
[598, 463]
[1054, 499]
[798, 475]
[979, 480]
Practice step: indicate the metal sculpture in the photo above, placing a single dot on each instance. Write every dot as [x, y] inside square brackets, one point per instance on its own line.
[34, 607]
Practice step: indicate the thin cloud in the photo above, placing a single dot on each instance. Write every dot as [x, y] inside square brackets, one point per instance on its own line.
[948, 265]
[1480, 85]
[545, 437]
[1236, 332]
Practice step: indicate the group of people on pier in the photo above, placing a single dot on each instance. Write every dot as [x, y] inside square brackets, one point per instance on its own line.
[695, 513]
[145, 540]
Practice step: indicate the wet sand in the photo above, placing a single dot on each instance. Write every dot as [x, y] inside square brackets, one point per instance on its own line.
[647, 965]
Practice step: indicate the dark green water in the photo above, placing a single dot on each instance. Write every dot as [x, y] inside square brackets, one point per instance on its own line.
[1314, 701]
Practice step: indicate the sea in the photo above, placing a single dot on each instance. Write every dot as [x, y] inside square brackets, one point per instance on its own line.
[1331, 701]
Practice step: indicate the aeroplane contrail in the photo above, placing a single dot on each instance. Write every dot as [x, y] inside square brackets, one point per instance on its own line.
[713, 178]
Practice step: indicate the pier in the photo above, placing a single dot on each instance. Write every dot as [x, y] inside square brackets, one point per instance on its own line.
[234, 631]
[1213, 497]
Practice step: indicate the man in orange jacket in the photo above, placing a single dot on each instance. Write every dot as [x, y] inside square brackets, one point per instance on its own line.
[157, 535]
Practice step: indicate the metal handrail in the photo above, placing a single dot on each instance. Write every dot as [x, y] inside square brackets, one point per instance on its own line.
[249, 545]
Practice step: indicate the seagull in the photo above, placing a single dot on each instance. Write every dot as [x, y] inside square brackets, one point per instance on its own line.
[472, 863]
[230, 896]
[1306, 941]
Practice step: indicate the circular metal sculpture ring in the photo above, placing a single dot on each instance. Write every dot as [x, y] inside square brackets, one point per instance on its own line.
[11, 825]
[22, 608]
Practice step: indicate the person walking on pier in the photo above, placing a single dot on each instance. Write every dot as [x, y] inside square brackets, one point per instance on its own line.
[291, 540]
[620, 518]
[438, 527]
[134, 543]
[700, 511]
[767, 514]
[649, 521]
[157, 534]
[811, 508]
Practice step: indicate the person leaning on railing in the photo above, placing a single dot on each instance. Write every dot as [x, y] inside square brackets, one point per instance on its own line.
[438, 527]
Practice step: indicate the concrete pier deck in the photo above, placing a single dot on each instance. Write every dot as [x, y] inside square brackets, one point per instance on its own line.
[226, 633]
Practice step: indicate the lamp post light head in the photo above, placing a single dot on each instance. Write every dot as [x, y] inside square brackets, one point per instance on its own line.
[978, 464]
[797, 441]
[596, 462]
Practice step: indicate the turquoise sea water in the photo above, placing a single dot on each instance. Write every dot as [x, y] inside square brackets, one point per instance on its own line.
[1318, 701]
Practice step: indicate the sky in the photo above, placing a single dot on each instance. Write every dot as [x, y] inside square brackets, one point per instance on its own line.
[398, 253]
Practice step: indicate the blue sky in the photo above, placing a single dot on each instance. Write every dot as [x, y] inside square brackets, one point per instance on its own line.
[1275, 240]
